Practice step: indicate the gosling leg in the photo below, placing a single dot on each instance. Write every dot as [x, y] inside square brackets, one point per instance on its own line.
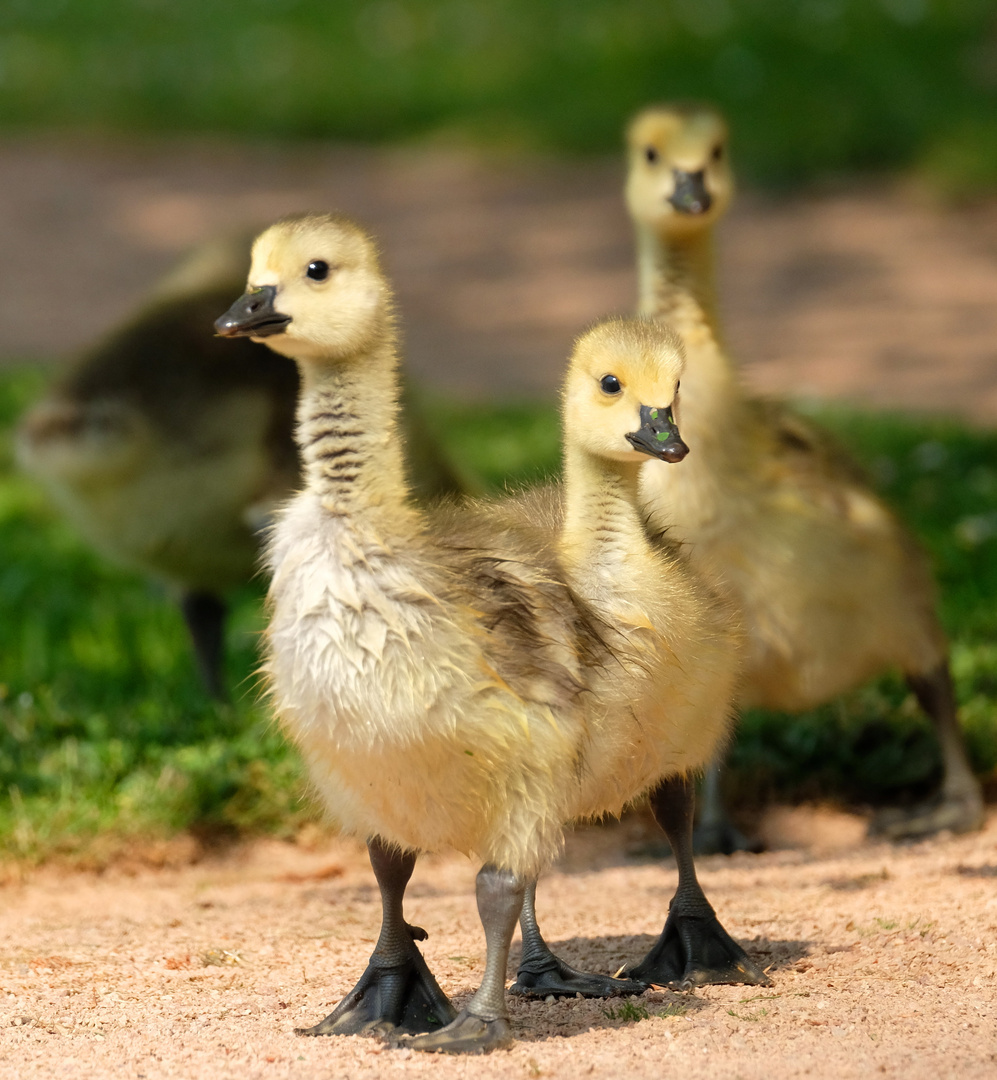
[541, 973]
[715, 833]
[397, 992]
[483, 1024]
[204, 613]
[959, 804]
[693, 949]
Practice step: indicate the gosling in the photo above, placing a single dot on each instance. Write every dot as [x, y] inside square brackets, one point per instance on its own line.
[169, 448]
[832, 587]
[640, 591]
[452, 692]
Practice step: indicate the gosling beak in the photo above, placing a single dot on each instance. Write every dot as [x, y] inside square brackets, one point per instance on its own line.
[253, 315]
[658, 435]
[690, 195]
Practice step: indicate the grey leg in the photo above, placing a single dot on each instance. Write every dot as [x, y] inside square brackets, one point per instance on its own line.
[204, 614]
[397, 992]
[483, 1024]
[542, 973]
[715, 833]
[693, 948]
[959, 804]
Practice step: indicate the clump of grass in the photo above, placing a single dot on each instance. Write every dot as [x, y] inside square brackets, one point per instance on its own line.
[758, 1014]
[673, 1009]
[632, 1012]
[629, 1012]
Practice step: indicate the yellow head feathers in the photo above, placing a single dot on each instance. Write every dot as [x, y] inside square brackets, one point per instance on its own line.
[622, 371]
[315, 292]
[679, 180]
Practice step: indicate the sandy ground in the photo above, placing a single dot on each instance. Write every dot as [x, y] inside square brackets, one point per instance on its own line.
[883, 961]
[870, 294]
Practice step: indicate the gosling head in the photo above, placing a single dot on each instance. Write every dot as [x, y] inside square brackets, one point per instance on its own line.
[315, 291]
[679, 180]
[621, 391]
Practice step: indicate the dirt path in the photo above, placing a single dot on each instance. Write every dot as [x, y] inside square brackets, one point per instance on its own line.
[883, 959]
[863, 293]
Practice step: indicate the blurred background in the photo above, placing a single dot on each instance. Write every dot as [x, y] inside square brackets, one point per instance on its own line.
[481, 141]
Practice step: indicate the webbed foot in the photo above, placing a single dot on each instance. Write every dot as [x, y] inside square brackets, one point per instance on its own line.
[466, 1034]
[958, 813]
[721, 838]
[695, 950]
[554, 976]
[401, 998]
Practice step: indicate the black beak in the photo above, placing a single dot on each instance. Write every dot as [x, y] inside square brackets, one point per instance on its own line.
[690, 195]
[658, 435]
[253, 315]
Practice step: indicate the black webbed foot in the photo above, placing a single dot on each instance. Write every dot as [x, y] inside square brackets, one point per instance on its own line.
[552, 975]
[959, 813]
[695, 950]
[466, 1034]
[401, 998]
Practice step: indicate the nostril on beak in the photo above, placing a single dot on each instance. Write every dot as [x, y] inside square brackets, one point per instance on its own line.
[690, 195]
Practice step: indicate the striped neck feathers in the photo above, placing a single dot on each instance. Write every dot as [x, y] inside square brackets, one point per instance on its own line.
[349, 436]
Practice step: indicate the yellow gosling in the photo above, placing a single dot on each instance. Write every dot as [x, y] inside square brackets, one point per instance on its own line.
[833, 589]
[619, 406]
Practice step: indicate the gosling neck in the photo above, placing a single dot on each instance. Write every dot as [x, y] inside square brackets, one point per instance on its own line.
[348, 434]
[602, 542]
[676, 278]
[676, 282]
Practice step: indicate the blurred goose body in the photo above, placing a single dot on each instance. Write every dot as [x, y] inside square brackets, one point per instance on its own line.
[834, 591]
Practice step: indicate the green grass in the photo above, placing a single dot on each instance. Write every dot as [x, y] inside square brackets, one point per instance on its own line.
[813, 86]
[629, 1012]
[105, 730]
[632, 1012]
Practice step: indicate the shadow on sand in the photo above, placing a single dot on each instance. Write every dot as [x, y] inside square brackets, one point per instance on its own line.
[537, 1020]
[609, 953]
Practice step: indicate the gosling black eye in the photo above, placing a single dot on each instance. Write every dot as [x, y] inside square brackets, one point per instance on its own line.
[718, 153]
[318, 270]
[610, 384]
[651, 154]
